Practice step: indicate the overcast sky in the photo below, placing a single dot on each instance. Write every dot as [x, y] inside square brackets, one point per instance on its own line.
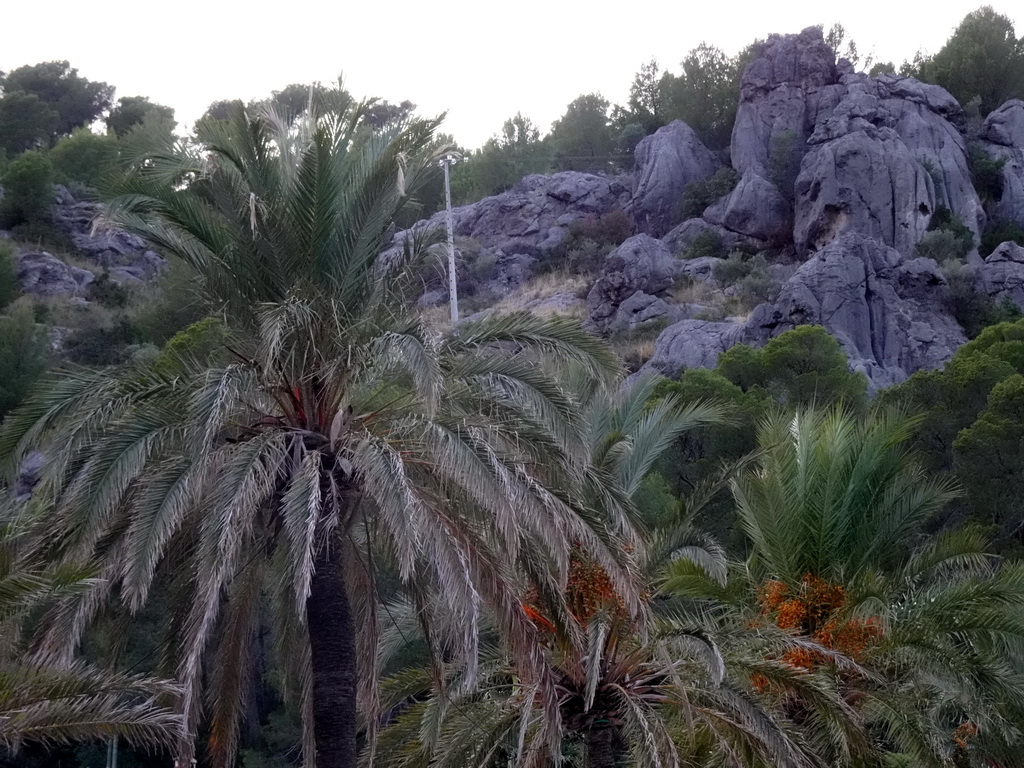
[482, 62]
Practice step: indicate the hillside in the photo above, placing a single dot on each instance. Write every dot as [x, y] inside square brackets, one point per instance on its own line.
[849, 202]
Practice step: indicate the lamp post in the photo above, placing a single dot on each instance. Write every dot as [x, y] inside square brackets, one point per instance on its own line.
[453, 296]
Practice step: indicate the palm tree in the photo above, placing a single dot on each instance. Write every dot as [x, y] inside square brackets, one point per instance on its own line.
[325, 425]
[46, 702]
[833, 511]
[667, 688]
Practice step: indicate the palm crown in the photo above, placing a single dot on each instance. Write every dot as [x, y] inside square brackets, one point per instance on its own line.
[326, 425]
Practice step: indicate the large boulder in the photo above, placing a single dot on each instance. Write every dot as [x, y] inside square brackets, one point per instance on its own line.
[923, 117]
[1003, 134]
[1002, 274]
[666, 161]
[866, 181]
[43, 274]
[779, 94]
[887, 312]
[755, 208]
[643, 265]
[691, 344]
[1005, 125]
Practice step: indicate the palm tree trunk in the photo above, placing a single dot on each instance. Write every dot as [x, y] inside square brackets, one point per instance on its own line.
[332, 643]
[605, 748]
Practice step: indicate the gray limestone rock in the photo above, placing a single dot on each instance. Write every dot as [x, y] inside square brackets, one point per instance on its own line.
[679, 238]
[666, 161]
[888, 314]
[43, 274]
[535, 214]
[755, 208]
[126, 255]
[1005, 125]
[866, 182]
[691, 344]
[640, 265]
[779, 94]
[1002, 274]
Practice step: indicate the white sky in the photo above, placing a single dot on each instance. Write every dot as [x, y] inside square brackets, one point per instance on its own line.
[482, 62]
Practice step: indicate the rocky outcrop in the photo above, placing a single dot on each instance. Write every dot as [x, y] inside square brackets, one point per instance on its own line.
[1002, 274]
[1005, 125]
[43, 274]
[922, 117]
[1003, 134]
[855, 140]
[888, 313]
[755, 208]
[692, 344]
[126, 256]
[534, 215]
[779, 92]
[868, 182]
[666, 161]
[641, 265]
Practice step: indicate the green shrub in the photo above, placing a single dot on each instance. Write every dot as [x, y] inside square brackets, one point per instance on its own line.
[699, 194]
[9, 286]
[986, 173]
[24, 350]
[784, 161]
[28, 190]
[973, 309]
[84, 157]
[108, 293]
[997, 232]
[943, 246]
[707, 243]
[734, 268]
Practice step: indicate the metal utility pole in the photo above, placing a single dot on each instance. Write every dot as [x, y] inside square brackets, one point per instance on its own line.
[453, 295]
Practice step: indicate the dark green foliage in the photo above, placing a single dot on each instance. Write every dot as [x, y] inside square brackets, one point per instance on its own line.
[646, 99]
[983, 58]
[706, 94]
[28, 190]
[84, 158]
[76, 100]
[987, 455]
[784, 157]
[944, 245]
[804, 366]
[9, 287]
[26, 122]
[175, 305]
[24, 352]
[972, 308]
[630, 136]
[750, 273]
[133, 111]
[501, 162]
[1000, 231]
[101, 345]
[707, 243]
[970, 424]
[986, 173]
[108, 293]
[699, 194]
[582, 139]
